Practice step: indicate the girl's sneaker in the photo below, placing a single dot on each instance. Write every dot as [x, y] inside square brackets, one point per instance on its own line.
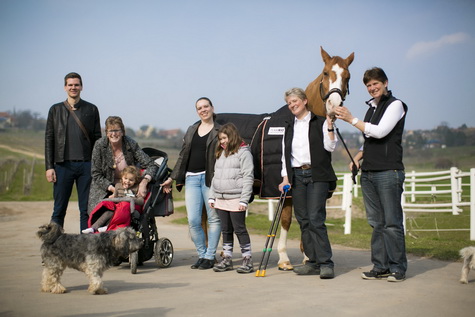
[247, 266]
[226, 264]
[102, 229]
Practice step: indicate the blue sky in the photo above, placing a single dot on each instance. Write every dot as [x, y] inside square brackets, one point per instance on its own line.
[148, 61]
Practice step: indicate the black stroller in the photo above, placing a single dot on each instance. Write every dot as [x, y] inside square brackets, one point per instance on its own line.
[157, 204]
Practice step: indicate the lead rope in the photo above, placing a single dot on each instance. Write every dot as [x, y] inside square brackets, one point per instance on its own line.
[354, 169]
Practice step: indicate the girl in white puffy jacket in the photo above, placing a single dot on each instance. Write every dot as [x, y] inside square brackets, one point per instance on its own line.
[230, 193]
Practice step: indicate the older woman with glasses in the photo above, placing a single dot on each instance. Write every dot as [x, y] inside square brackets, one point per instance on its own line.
[111, 154]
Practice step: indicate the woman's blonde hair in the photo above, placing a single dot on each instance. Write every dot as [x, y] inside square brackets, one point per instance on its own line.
[299, 92]
[114, 120]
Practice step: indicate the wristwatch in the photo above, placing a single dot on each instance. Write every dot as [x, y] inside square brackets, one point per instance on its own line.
[354, 121]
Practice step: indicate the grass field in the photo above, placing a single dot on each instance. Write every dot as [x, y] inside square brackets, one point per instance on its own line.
[22, 178]
[441, 245]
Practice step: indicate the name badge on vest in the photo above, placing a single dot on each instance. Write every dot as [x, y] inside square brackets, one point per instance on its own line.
[276, 131]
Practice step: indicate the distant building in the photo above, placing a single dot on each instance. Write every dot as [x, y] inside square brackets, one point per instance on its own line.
[5, 120]
[147, 132]
[434, 143]
[169, 134]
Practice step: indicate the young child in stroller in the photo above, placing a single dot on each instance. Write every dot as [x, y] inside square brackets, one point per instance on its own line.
[124, 197]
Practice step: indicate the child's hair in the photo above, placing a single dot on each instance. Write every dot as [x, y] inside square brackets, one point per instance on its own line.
[234, 140]
[131, 170]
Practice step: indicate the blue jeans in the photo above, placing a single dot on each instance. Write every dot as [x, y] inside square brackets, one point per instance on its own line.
[309, 199]
[66, 174]
[382, 192]
[196, 195]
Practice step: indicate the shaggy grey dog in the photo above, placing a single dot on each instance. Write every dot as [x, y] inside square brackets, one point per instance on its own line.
[88, 253]
[468, 256]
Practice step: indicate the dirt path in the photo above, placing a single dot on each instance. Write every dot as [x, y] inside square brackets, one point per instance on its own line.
[432, 287]
[29, 153]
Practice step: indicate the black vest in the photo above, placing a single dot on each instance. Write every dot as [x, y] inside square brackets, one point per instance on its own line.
[386, 153]
[322, 169]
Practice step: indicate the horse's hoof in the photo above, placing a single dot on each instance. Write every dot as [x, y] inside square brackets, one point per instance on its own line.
[285, 266]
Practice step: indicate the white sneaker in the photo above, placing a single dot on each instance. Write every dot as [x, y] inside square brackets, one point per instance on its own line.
[88, 230]
[102, 229]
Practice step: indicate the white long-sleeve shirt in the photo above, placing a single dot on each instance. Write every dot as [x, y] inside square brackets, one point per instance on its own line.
[390, 118]
[300, 154]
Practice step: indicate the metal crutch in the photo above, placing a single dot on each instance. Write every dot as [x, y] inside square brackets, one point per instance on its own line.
[271, 235]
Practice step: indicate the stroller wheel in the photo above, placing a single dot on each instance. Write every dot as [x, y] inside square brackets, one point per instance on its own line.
[134, 261]
[163, 252]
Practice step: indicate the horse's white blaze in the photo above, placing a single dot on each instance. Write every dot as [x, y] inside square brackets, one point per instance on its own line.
[282, 246]
[334, 100]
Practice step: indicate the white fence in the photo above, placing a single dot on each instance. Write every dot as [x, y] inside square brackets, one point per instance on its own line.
[434, 185]
[445, 185]
[345, 191]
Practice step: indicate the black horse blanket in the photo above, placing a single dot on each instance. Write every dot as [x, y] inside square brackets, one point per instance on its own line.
[263, 132]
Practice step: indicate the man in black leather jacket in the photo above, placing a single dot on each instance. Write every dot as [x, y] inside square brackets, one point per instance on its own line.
[68, 148]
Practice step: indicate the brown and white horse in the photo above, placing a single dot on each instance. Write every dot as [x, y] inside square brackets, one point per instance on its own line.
[325, 93]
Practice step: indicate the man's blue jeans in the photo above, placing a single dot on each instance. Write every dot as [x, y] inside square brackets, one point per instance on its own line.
[382, 192]
[309, 199]
[66, 174]
[196, 195]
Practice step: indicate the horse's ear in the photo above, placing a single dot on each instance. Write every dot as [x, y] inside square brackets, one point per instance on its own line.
[325, 55]
[350, 58]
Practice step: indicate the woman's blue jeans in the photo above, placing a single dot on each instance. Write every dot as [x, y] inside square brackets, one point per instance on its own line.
[196, 195]
[382, 192]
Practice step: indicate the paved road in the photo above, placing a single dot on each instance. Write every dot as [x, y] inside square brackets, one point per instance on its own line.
[432, 287]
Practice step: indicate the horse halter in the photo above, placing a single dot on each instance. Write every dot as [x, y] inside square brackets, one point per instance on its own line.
[334, 90]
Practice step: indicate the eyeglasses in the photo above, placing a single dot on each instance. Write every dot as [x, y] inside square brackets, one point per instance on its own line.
[114, 131]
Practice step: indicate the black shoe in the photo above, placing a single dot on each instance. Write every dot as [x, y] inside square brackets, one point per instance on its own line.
[396, 277]
[206, 264]
[327, 272]
[306, 270]
[375, 275]
[198, 263]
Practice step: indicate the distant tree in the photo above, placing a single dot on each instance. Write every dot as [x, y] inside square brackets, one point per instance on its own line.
[460, 138]
[445, 135]
[130, 132]
[470, 136]
[23, 119]
[415, 140]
